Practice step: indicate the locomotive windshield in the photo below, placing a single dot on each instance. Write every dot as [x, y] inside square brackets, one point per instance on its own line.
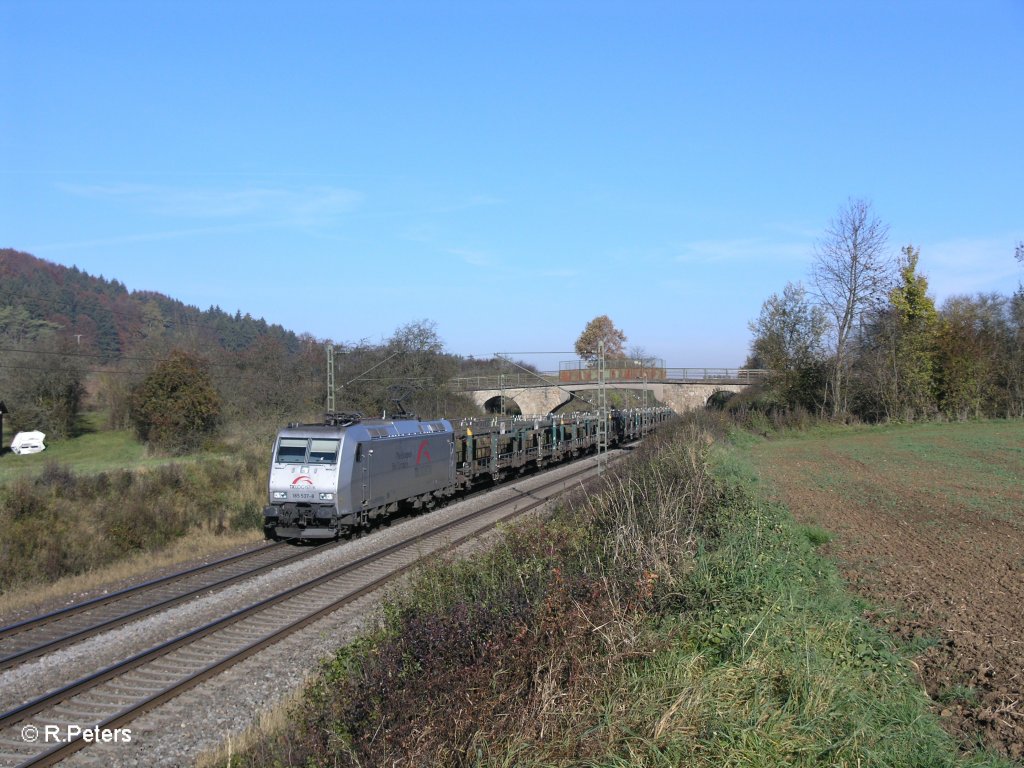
[302, 450]
[292, 450]
[323, 451]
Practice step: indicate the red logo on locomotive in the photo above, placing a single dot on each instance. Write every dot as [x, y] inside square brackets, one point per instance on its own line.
[423, 451]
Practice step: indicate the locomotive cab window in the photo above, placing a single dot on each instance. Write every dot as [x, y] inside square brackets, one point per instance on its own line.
[323, 451]
[292, 450]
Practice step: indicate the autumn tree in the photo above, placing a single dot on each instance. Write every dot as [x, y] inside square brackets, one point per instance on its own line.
[1015, 345]
[600, 329]
[176, 408]
[898, 358]
[1014, 353]
[972, 367]
[851, 273]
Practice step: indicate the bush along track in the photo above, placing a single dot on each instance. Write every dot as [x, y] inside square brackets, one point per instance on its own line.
[668, 617]
[59, 523]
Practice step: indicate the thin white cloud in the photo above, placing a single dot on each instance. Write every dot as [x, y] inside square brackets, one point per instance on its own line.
[140, 237]
[476, 258]
[560, 273]
[971, 265]
[283, 205]
[421, 213]
[743, 249]
[473, 201]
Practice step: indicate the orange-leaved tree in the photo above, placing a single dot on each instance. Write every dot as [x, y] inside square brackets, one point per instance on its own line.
[599, 329]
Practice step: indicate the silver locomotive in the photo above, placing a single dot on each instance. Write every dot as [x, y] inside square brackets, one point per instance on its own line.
[327, 479]
[338, 477]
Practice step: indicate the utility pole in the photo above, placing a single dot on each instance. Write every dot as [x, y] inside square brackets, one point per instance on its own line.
[643, 413]
[602, 410]
[3, 410]
[330, 378]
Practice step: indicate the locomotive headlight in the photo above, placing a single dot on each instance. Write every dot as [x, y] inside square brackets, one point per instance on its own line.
[280, 495]
[326, 497]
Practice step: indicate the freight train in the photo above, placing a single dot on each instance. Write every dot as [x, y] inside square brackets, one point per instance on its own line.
[338, 477]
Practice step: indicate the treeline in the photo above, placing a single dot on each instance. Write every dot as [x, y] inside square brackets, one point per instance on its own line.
[185, 399]
[107, 321]
[865, 340]
[68, 338]
[46, 381]
[180, 377]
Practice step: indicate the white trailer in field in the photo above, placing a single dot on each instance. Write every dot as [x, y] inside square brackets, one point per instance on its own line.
[28, 442]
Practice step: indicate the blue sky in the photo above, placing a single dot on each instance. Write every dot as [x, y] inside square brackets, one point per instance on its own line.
[508, 169]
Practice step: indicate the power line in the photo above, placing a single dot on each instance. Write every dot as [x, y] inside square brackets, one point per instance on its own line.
[241, 364]
[133, 358]
[140, 374]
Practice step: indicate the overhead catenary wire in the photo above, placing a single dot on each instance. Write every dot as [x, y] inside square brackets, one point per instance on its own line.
[505, 356]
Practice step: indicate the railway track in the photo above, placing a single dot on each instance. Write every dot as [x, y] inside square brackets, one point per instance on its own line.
[38, 636]
[102, 704]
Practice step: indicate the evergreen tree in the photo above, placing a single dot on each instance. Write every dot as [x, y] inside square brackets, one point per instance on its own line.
[176, 407]
[912, 394]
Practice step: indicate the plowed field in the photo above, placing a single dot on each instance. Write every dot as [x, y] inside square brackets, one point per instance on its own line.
[928, 526]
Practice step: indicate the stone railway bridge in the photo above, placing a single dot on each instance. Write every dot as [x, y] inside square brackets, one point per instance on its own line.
[681, 389]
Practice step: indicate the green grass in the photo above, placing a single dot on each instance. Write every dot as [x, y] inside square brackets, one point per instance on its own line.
[815, 534]
[94, 450]
[777, 666]
[975, 466]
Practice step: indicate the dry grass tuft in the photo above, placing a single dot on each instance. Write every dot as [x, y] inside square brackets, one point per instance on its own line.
[199, 544]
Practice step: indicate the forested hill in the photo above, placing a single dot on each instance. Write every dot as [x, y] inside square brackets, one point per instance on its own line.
[105, 318]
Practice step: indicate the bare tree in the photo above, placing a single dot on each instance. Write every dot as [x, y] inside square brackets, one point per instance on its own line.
[852, 272]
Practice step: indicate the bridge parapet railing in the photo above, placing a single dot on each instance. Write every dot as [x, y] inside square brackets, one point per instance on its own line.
[717, 375]
[620, 375]
[506, 381]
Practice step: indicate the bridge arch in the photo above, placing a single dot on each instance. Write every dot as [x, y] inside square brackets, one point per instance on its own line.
[679, 397]
[495, 405]
[534, 401]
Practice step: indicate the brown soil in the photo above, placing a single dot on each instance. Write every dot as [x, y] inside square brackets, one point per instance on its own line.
[940, 576]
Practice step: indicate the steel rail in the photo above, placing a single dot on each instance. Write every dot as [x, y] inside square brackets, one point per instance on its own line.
[127, 714]
[70, 610]
[105, 624]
